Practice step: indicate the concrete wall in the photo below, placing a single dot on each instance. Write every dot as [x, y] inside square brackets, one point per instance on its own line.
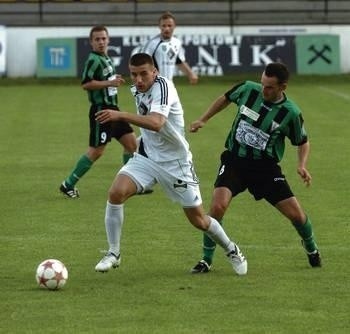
[188, 13]
[21, 41]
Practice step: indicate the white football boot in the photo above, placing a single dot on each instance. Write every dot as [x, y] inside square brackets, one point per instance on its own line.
[238, 261]
[109, 261]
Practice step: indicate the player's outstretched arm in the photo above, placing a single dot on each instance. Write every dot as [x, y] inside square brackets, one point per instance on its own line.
[96, 85]
[153, 121]
[219, 104]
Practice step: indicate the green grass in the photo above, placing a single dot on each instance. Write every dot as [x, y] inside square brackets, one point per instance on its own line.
[44, 130]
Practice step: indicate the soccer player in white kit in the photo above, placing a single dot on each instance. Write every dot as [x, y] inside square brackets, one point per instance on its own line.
[163, 157]
[167, 50]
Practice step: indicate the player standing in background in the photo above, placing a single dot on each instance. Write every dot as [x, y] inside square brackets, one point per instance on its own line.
[164, 157]
[254, 147]
[167, 50]
[100, 81]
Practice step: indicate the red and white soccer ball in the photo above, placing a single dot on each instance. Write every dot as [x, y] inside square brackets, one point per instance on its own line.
[51, 274]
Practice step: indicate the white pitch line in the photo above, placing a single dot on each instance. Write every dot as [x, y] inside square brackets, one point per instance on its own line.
[334, 92]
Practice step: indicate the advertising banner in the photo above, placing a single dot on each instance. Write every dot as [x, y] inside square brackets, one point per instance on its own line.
[56, 57]
[208, 55]
[212, 55]
[318, 54]
[2, 50]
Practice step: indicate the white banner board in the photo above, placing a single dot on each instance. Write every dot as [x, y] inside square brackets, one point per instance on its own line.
[2, 50]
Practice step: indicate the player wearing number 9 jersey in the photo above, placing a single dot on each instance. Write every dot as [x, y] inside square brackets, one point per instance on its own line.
[100, 81]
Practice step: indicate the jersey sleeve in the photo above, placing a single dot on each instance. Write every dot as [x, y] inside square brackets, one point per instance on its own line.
[151, 46]
[297, 133]
[181, 58]
[146, 49]
[160, 97]
[90, 71]
[235, 92]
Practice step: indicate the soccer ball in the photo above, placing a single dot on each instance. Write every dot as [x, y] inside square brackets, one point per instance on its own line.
[51, 274]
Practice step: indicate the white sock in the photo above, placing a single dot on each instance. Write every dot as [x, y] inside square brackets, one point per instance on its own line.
[217, 234]
[114, 218]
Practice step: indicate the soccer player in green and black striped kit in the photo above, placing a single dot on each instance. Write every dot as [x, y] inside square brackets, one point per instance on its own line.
[254, 148]
[100, 81]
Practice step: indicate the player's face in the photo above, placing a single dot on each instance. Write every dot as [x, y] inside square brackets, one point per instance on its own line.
[143, 76]
[167, 28]
[272, 90]
[99, 42]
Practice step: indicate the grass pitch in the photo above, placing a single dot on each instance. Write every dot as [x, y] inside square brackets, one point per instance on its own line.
[44, 130]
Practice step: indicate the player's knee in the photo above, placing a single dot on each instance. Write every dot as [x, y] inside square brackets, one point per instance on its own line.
[297, 217]
[115, 199]
[130, 147]
[95, 153]
[217, 210]
[119, 193]
[98, 154]
[115, 196]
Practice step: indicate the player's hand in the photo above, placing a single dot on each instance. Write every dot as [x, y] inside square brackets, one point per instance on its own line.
[196, 125]
[107, 115]
[193, 79]
[119, 80]
[305, 175]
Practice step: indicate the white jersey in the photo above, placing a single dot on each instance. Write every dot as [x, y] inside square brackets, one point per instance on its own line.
[166, 54]
[169, 143]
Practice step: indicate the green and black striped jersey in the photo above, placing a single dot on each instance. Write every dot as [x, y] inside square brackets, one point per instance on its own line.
[100, 67]
[259, 128]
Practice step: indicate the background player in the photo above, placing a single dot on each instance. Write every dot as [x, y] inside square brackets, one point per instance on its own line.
[167, 50]
[100, 81]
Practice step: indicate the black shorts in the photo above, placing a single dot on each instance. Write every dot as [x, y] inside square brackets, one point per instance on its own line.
[101, 134]
[263, 178]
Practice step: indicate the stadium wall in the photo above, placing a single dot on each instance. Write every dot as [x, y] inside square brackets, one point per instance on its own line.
[21, 48]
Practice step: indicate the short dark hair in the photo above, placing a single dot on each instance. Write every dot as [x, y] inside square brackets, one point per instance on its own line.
[278, 70]
[97, 29]
[139, 59]
[167, 15]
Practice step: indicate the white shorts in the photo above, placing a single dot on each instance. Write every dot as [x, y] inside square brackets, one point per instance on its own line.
[177, 178]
